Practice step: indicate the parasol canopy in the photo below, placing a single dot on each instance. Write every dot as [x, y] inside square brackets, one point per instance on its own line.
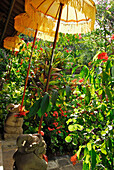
[26, 25]
[13, 43]
[78, 16]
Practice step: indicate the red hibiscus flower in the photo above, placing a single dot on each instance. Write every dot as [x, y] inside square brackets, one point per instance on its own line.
[21, 112]
[56, 124]
[112, 38]
[36, 47]
[80, 37]
[41, 48]
[50, 129]
[55, 114]
[17, 71]
[103, 56]
[81, 80]
[42, 133]
[46, 114]
[16, 52]
[67, 51]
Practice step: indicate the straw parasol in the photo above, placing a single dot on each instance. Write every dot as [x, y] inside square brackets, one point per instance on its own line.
[26, 25]
[12, 43]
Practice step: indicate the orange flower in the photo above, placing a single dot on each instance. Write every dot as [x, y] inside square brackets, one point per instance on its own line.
[91, 113]
[89, 63]
[74, 80]
[74, 159]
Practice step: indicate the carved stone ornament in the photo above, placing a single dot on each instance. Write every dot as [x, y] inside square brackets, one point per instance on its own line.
[12, 124]
[29, 155]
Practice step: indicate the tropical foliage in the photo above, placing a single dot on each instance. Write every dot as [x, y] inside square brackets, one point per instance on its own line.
[78, 108]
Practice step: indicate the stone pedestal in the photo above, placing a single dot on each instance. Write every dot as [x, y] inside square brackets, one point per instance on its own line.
[8, 148]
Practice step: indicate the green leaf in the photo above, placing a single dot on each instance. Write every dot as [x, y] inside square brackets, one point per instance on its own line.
[74, 69]
[54, 97]
[93, 159]
[89, 146]
[39, 113]
[78, 152]
[75, 127]
[103, 148]
[105, 77]
[68, 91]
[109, 95]
[68, 121]
[85, 166]
[88, 95]
[44, 103]
[72, 128]
[87, 161]
[34, 109]
[68, 139]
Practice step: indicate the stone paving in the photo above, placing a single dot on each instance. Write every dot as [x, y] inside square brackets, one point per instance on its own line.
[63, 163]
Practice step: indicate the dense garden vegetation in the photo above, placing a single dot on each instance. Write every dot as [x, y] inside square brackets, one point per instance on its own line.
[78, 108]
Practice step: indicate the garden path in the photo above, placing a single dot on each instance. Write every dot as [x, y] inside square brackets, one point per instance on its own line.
[63, 163]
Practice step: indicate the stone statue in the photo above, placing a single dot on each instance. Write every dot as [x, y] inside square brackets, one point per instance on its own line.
[29, 155]
[13, 124]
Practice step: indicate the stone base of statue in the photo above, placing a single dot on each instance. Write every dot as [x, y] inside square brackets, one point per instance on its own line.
[29, 155]
[12, 124]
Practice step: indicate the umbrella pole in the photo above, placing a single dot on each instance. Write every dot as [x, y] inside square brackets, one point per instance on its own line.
[54, 44]
[28, 69]
[52, 57]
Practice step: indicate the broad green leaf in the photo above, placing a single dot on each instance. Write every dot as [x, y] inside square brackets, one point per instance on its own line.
[105, 77]
[112, 71]
[44, 103]
[72, 128]
[68, 139]
[68, 121]
[88, 95]
[85, 166]
[74, 142]
[109, 94]
[103, 148]
[74, 69]
[75, 127]
[93, 159]
[39, 113]
[87, 161]
[78, 152]
[100, 91]
[79, 127]
[54, 97]
[89, 146]
[68, 91]
[35, 107]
